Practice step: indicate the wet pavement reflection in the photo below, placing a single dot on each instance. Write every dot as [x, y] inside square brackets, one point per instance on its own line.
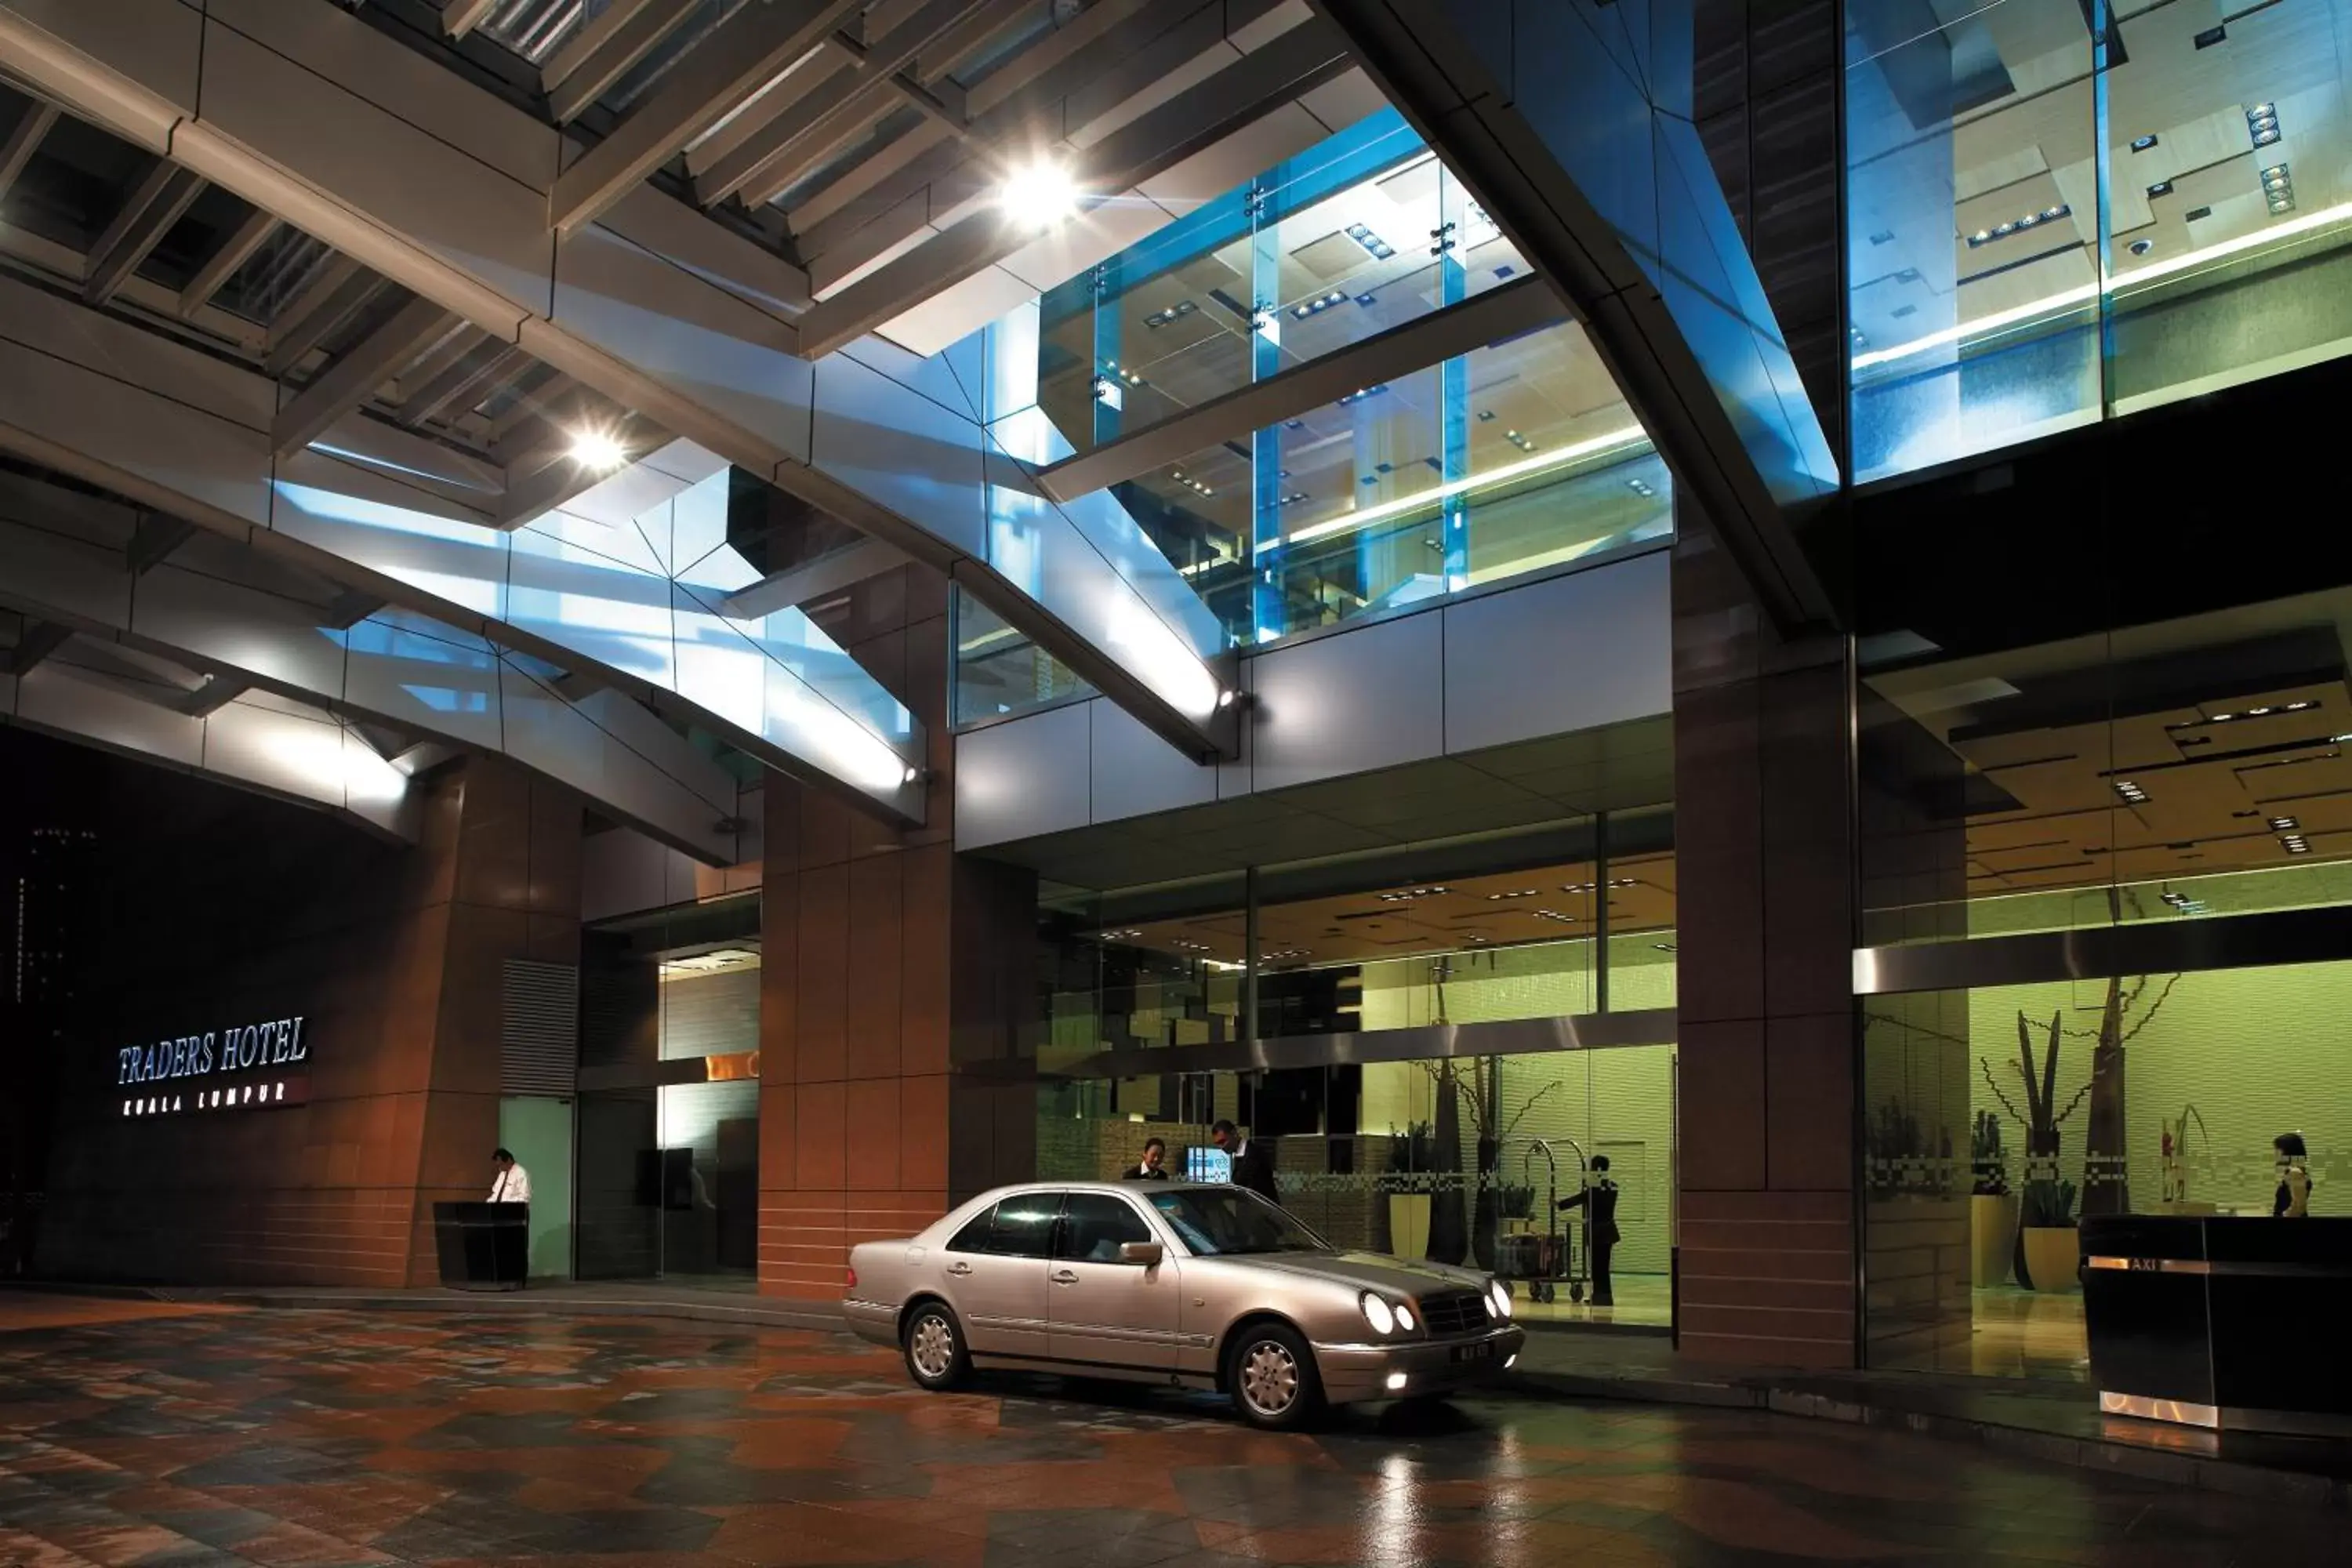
[343, 1437]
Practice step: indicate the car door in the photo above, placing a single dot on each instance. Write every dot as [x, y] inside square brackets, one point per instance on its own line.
[995, 1269]
[1104, 1311]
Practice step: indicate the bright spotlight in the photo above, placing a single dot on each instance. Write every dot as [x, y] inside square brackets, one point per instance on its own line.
[599, 451]
[1040, 196]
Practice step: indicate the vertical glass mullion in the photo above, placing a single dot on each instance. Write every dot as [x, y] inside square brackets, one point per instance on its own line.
[1453, 380]
[1267, 597]
[2102, 156]
[1109, 389]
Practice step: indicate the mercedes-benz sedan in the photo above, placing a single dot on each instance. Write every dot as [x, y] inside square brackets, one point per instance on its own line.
[1194, 1285]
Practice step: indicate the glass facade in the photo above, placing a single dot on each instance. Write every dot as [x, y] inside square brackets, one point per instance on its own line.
[669, 1147]
[1379, 1145]
[2064, 210]
[1515, 456]
[2164, 1094]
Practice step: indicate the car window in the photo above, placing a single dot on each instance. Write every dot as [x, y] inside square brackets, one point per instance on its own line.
[1228, 1222]
[973, 1237]
[1094, 1225]
[1017, 1228]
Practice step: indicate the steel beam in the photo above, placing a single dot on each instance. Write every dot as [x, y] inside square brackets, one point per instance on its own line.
[222, 264]
[153, 207]
[465, 384]
[459, 17]
[1522, 305]
[355, 374]
[532, 494]
[216, 693]
[741, 56]
[158, 535]
[36, 642]
[808, 580]
[603, 51]
[326, 302]
[772, 155]
[1245, 93]
[24, 139]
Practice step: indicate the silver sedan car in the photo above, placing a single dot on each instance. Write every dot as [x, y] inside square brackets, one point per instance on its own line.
[1194, 1285]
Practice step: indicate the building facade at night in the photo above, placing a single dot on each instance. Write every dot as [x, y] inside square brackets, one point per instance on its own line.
[796, 609]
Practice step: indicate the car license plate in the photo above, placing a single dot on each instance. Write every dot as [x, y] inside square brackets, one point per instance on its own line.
[1484, 1351]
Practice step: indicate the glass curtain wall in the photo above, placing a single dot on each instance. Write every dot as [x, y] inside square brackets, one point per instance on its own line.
[1446, 1157]
[2164, 1093]
[669, 1175]
[1516, 457]
[2064, 210]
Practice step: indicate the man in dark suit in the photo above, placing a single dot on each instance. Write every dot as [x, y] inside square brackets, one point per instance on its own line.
[1150, 1169]
[1598, 1202]
[1253, 1162]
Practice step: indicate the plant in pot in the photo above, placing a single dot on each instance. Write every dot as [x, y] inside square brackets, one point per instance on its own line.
[2048, 1253]
[1993, 1207]
[1411, 1158]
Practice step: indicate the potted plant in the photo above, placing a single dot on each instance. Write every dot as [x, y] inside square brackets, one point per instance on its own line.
[2049, 1253]
[1993, 1207]
[1410, 1160]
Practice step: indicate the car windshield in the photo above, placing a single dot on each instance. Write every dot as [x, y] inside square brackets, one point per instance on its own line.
[1229, 1222]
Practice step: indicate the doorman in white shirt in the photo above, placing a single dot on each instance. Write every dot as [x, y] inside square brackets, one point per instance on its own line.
[513, 1183]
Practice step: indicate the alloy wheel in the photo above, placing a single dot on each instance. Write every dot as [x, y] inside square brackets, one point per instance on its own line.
[1269, 1377]
[932, 1346]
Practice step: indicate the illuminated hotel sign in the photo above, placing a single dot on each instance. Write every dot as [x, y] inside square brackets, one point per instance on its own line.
[186, 1072]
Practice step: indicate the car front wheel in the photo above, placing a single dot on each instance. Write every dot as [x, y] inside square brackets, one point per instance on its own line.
[1272, 1379]
[933, 1341]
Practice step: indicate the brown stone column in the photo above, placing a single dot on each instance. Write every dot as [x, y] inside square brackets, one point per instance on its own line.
[1764, 851]
[888, 965]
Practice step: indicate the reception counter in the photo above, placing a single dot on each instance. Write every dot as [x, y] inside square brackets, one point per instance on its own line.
[2224, 1322]
[482, 1247]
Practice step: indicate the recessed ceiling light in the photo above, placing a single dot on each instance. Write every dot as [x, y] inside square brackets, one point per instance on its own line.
[1039, 196]
[2131, 792]
[598, 451]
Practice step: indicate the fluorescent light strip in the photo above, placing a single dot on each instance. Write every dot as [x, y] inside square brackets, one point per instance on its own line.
[1633, 436]
[2082, 295]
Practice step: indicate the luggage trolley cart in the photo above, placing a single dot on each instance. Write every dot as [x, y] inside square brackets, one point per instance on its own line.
[1548, 1259]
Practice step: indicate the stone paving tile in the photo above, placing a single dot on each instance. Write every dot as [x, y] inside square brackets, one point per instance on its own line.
[326, 1439]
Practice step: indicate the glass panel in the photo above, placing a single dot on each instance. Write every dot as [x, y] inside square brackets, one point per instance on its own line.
[669, 1175]
[2230, 190]
[2206, 238]
[2163, 1099]
[1000, 671]
[2192, 767]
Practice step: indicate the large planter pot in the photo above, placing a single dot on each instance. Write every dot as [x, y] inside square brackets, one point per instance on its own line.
[2053, 1254]
[1408, 1225]
[1992, 1237]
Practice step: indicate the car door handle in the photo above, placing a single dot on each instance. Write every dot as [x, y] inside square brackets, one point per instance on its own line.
[1065, 1277]
[958, 1268]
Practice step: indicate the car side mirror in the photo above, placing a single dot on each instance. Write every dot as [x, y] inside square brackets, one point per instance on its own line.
[1147, 1253]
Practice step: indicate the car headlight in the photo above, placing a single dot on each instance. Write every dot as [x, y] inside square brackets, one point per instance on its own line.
[1404, 1317]
[1500, 1294]
[1378, 1313]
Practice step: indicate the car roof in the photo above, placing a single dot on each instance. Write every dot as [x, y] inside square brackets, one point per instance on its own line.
[1017, 1189]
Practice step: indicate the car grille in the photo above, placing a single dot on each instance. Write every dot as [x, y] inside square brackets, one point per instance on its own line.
[1454, 1311]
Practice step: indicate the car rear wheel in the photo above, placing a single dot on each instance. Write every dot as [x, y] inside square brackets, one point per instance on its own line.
[933, 1341]
[1272, 1379]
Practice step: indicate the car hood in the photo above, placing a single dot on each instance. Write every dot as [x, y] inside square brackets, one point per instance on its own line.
[1370, 1270]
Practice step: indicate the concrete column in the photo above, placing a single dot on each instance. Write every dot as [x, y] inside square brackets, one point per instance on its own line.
[1764, 849]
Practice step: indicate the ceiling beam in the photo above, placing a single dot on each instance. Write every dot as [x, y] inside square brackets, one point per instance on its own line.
[1525, 304]
[357, 372]
[459, 17]
[463, 385]
[35, 643]
[604, 50]
[738, 58]
[157, 535]
[808, 580]
[141, 225]
[1253, 86]
[24, 138]
[216, 693]
[776, 153]
[339, 288]
[222, 264]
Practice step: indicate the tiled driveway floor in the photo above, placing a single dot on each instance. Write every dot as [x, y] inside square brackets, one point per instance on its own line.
[341, 1437]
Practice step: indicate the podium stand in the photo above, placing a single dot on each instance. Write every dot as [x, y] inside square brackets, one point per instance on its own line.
[482, 1247]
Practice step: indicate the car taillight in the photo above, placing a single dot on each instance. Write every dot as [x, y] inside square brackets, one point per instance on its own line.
[853, 1279]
